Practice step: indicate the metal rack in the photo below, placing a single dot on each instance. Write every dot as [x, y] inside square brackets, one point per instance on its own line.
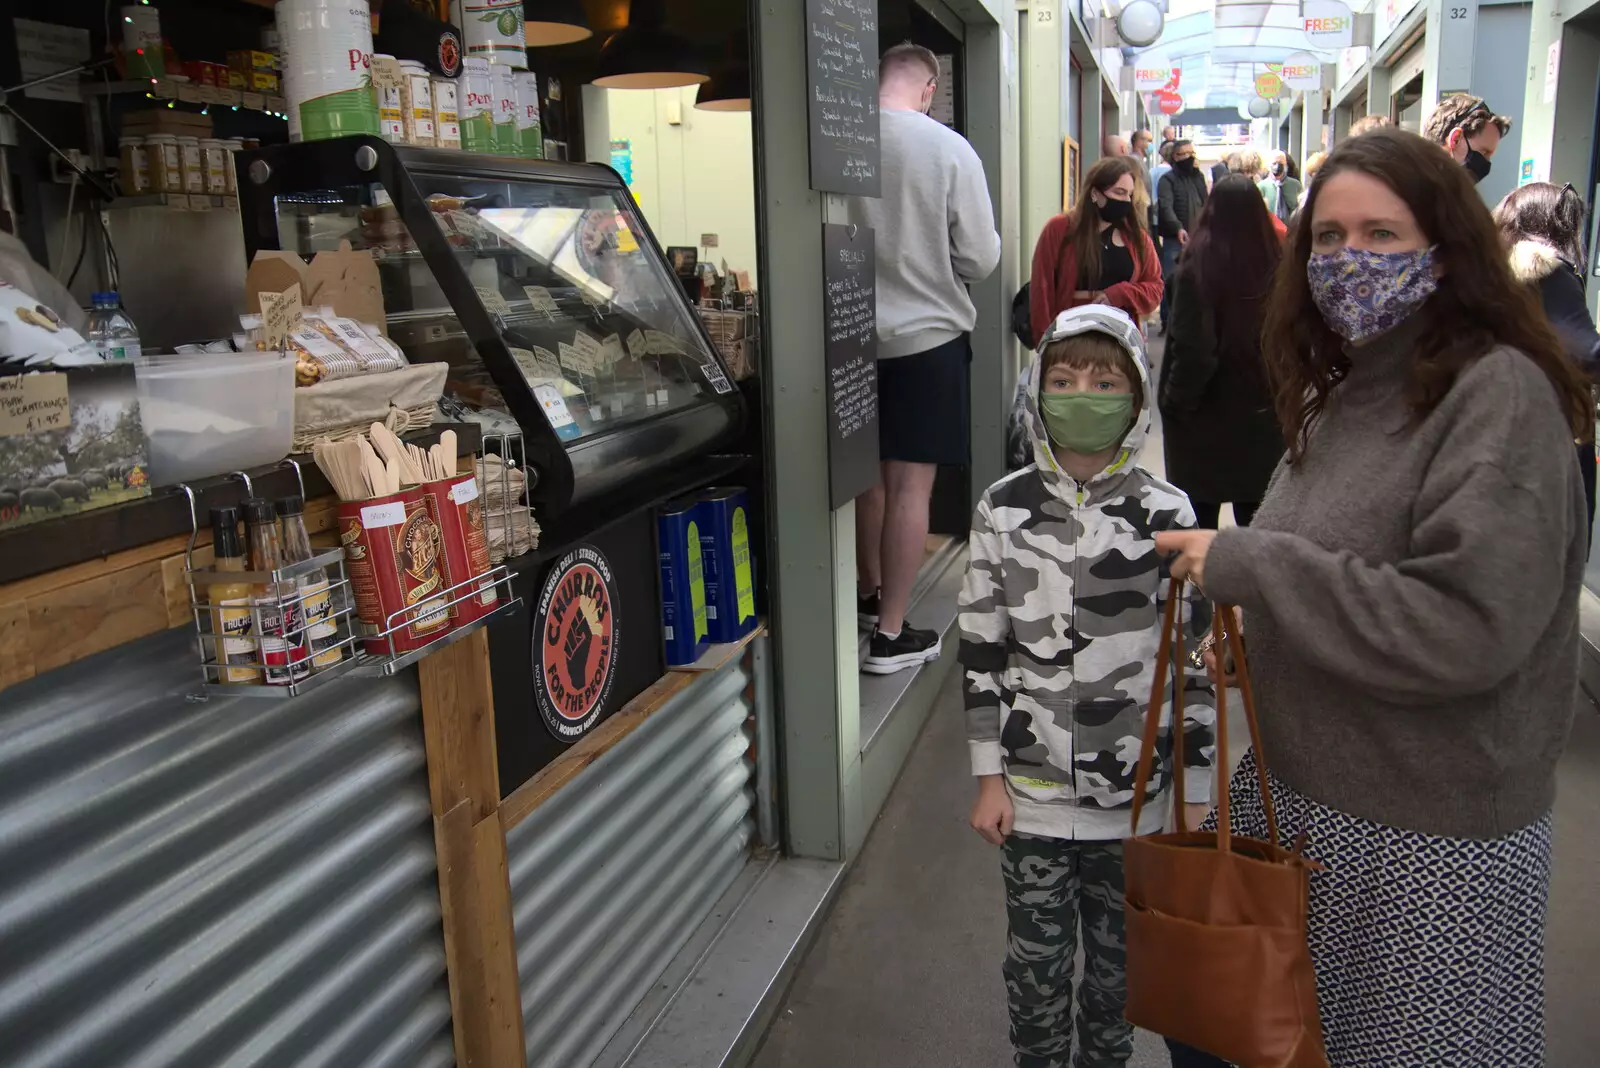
[511, 512]
[354, 638]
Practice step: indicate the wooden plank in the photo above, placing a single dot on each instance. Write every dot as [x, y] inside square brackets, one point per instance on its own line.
[474, 878]
[716, 656]
[16, 657]
[539, 789]
[458, 726]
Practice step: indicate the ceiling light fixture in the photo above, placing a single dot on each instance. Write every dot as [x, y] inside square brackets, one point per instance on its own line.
[555, 22]
[645, 55]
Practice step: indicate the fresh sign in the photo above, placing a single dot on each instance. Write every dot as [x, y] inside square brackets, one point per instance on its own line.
[1148, 78]
[1328, 24]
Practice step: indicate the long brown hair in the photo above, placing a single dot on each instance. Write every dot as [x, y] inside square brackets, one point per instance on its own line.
[1083, 230]
[1232, 254]
[1476, 307]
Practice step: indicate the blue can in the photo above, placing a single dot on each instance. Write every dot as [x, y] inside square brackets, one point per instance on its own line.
[729, 564]
[683, 584]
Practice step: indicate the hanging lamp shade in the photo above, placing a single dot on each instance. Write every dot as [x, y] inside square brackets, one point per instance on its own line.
[645, 55]
[728, 89]
[555, 22]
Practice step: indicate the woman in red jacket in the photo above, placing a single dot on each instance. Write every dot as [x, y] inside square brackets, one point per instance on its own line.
[1099, 254]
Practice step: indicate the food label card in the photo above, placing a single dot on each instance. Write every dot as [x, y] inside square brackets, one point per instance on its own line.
[33, 404]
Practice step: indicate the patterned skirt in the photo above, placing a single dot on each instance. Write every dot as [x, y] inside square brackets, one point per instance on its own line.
[1428, 950]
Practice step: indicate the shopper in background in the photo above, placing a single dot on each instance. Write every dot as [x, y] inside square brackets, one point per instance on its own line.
[1248, 163]
[1280, 189]
[1219, 429]
[1178, 203]
[1314, 164]
[1225, 166]
[1099, 254]
[1410, 588]
[934, 230]
[1141, 141]
[1542, 224]
[1468, 130]
[1368, 122]
[1169, 133]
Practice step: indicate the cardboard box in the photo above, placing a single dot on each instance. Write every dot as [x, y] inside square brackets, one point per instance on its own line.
[252, 60]
[260, 81]
[70, 441]
[345, 280]
[166, 121]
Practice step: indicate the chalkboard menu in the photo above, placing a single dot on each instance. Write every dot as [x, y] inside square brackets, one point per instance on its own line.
[850, 314]
[842, 87]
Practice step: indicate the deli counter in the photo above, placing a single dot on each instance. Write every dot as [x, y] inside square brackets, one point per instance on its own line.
[540, 285]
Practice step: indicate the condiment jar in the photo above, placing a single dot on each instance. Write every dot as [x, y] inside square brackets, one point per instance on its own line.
[165, 163]
[193, 166]
[417, 99]
[135, 166]
[215, 158]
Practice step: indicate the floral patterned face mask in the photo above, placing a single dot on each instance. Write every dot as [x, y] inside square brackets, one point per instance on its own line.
[1363, 294]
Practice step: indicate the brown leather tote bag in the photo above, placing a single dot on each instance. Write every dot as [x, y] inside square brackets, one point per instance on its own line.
[1216, 923]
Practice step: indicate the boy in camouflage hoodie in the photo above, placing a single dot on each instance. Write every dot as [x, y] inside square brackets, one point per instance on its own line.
[1060, 621]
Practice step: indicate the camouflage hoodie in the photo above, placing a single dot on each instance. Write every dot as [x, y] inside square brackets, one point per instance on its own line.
[1060, 622]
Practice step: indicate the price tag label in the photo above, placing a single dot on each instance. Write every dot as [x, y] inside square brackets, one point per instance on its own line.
[253, 101]
[281, 315]
[549, 366]
[33, 404]
[540, 299]
[386, 73]
[637, 346]
[493, 301]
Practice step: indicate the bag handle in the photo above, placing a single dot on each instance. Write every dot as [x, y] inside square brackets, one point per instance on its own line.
[1224, 622]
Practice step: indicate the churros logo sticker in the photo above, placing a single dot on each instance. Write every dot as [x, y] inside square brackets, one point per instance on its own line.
[575, 643]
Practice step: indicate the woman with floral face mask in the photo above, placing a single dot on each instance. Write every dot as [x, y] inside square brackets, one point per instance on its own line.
[1411, 587]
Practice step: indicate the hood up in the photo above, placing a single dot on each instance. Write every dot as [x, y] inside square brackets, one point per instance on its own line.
[1089, 318]
[1534, 261]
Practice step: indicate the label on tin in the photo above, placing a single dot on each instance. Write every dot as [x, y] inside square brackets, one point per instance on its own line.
[378, 516]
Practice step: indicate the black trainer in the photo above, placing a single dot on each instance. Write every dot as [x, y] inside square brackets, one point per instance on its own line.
[908, 649]
[867, 611]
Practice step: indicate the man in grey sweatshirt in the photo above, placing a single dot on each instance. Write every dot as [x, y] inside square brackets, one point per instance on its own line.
[935, 233]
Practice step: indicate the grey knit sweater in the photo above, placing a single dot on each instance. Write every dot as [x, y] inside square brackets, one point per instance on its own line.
[1411, 598]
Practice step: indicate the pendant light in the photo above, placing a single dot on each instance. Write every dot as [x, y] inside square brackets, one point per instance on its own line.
[645, 55]
[555, 22]
[728, 89]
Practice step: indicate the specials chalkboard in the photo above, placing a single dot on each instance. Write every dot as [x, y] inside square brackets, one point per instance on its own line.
[842, 90]
[850, 316]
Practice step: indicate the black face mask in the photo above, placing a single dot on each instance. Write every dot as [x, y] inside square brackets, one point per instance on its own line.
[1476, 163]
[1184, 164]
[1115, 211]
[1277, 170]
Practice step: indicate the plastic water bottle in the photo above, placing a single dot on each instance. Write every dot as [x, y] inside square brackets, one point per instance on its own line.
[111, 333]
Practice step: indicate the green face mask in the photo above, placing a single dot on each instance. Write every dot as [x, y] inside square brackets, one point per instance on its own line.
[1086, 422]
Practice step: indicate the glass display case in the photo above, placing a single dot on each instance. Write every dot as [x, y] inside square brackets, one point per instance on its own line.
[539, 283]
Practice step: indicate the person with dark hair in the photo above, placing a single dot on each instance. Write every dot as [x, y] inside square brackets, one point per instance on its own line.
[1178, 202]
[1410, 588]
[1098, 254]
[1220, 433]
[1369, 122]
[1542, 224]
[934, 229]
[1468, 130]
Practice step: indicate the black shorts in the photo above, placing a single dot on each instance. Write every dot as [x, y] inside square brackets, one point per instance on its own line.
[922, 405]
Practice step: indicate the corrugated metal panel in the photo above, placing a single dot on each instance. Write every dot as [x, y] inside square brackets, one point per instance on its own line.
[610, 877]
[225, 883]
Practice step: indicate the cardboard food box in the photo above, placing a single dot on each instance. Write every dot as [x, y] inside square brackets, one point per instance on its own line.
[252, 60]
[70, 441]
[166, 121]
[345, 280]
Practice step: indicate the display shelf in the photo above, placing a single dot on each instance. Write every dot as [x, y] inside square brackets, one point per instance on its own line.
[176, 201]
[368, 665]
[189, 93]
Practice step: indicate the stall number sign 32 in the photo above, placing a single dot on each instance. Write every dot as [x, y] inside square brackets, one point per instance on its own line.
[575, 643]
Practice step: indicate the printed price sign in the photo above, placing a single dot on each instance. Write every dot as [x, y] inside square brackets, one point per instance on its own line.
[33, 404]
[493, 302]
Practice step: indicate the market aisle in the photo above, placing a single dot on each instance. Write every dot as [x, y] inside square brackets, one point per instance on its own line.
[906, 973]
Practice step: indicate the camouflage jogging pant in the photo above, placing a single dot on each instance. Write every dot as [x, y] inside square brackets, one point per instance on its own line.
[1053, 885]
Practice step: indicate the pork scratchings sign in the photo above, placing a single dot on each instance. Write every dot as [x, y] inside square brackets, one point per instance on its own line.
[575, 642]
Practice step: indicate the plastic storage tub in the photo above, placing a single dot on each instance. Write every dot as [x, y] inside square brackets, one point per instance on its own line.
[208, 414]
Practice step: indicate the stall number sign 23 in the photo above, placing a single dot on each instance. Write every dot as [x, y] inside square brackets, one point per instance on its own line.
[575, 642]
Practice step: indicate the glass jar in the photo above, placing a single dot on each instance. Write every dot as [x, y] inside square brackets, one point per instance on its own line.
[165, 163]
[192, 165]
